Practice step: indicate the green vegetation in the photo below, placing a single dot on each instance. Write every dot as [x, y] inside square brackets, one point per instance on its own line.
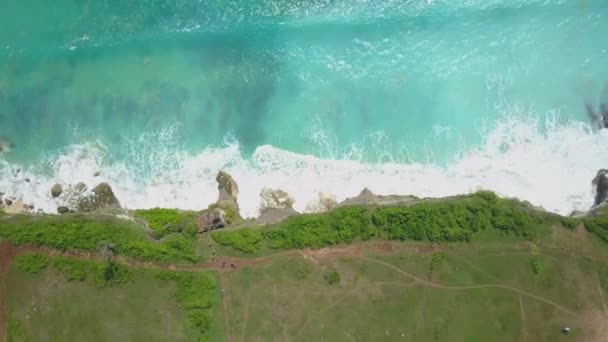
[517, 268]
[375, 301]
[232, 216]
[195, 296]
[302, 268]
[89, 233]
[31, 263]
[598, 225]
[16, 332]
[194, 291]
[456, 219]
[537, 266]
[569, 222]
[167, 221]
[435, 263]
[49, 305]
[245, 240]
[332, 277]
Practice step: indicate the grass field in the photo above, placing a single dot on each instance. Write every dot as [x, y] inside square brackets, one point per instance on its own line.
[47, 307]
[51, 305]
[496, 284]
[463, 296]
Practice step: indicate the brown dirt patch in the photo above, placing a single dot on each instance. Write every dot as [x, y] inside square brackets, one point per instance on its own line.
[595, 323]
[581, 233]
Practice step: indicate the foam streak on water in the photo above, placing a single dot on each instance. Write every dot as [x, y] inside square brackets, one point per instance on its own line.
[545, 163]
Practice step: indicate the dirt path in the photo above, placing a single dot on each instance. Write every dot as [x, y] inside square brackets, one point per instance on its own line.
[246, 315]
[225, 305]
[471, 287]
[524, 331]
[7, 254]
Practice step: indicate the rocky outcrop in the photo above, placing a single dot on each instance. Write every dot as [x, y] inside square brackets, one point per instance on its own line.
[16, 207]
[600, 184]
[276, 205]
[324, 203]
[275, 199]
[225, 211]
[211, 219]
[63, 210]
[228, 191]
[367, 197]
[56, 190]
[271, 215]
[102, 197]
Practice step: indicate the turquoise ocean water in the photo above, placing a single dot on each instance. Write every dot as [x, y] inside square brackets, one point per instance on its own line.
[320, 96]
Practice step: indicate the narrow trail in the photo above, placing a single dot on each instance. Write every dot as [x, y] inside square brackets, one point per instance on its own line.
[246, 315]
[524, 331]
[225, 306]
[7, 255]
[471, 287]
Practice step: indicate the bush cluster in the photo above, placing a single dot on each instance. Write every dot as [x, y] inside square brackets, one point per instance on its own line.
[342, 225]
[31, 263]
[537, 266]
[598, 225]
[245, 240]
[332, 277]
[101, 274]
[194, 295]
[167, 221]
[455, 219]
[88, 233]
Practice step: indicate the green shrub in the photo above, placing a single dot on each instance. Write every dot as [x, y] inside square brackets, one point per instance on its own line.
[16, 331]
[351, 223]
[74, 269]
[301, 268]
[569, 222]
[31, 263]
[598, 225]
[455, 219]
[109, 273]
[245, 240]
[167, 221]
[194, 295]
[87, 232]
[537, 266]
[436, 261]
[332, 277]
[102, 274]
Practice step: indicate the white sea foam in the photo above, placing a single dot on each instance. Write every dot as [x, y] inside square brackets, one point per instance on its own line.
[545, 163]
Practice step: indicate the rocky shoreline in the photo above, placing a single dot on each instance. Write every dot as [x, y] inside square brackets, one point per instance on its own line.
[275, 204]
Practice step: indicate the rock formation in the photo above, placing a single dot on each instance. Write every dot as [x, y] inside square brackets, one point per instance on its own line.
[228, 190]
[324, 203]
[101, 198]
[56, 190]
[211, 219]
[275, 199]
[600, 184]
[367, 197]
[276, 205]
[223, 212]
